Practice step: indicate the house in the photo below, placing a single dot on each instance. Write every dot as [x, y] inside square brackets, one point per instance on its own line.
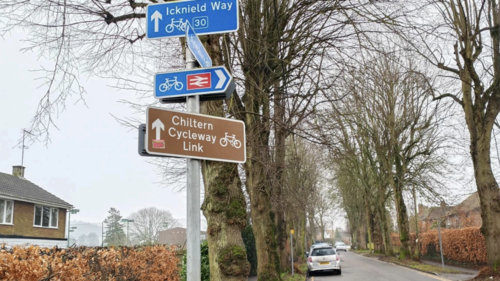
[29, 214]
[177, 236]
[465, 214]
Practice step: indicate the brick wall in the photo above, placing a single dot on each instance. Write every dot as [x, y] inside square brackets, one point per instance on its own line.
[24, 214]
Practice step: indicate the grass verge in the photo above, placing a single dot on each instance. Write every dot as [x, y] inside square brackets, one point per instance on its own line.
[300, 270]
[418, 265]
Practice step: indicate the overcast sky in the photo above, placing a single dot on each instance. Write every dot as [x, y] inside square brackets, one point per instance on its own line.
[92, 161]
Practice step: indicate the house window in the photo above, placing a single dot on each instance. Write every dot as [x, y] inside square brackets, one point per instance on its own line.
[6, 209]
[46, 216]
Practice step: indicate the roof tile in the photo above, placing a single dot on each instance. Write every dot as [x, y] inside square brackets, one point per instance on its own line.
[23, 189]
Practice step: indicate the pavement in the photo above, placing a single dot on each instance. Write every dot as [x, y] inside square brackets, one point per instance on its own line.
[467, 273]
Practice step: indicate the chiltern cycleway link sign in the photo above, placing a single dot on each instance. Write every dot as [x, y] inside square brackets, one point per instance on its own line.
[191, 135]
[205, 16]
[200, 81]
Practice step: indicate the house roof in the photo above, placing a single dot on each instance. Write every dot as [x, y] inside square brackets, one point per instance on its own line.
[469, 204]
[24, 190]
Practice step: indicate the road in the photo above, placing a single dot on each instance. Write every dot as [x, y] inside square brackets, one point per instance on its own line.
[356, 267]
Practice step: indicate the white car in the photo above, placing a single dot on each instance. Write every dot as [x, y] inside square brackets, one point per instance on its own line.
[323, 259]
[340, 246]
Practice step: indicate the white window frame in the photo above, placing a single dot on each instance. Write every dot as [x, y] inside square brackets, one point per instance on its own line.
[2, 220]
[50, 217]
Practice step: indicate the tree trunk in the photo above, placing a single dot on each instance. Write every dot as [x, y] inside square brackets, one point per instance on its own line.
[362, 237]
[384, 228]
[368, 218]
[488, 192]
[276, 179]
[480, 119]
[224, 205]
[303, 240]
[312, 225]
[225, 209]
[402, 218]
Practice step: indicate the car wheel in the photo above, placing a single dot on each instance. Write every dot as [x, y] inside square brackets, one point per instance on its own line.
[309, 273]
[339, 272]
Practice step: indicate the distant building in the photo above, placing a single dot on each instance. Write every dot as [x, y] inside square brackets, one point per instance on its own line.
[177, 236]
[29, 214]
[465, 214]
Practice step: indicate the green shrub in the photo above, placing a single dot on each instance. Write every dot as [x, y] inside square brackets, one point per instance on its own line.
[249, 241]
[205, 264]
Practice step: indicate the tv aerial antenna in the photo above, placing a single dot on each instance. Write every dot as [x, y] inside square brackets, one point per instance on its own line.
[23, 147]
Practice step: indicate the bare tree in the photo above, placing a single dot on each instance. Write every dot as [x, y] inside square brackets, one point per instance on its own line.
[388, 137]
[461, 38]
[93, 240]
[148, 223]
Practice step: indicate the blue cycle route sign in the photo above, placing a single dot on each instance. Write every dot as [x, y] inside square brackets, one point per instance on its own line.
[201, 81]
[196, 47]
[205, 16]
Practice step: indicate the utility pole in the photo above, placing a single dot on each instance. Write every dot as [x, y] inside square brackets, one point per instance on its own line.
[416, 221]
[439, 232]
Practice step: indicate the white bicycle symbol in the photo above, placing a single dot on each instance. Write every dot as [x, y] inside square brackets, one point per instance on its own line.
[167, 85]
[179, 24]
[231, 140]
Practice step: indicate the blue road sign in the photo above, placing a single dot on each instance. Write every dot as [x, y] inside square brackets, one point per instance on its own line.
[201, 81]
[196, 47]
[205, 16]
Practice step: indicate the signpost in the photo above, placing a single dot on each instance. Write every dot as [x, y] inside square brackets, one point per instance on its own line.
[196, 47]
[205, 16]
[179, 134]
[191, 135]
[291, 248]
[202, 81]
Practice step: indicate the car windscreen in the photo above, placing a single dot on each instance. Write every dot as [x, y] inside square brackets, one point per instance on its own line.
[323, 252]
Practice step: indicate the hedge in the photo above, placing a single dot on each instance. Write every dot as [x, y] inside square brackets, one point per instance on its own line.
[463, 245]
[32, 263]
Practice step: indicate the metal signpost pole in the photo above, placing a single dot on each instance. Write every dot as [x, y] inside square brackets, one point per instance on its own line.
[193, 195]
[291, 247]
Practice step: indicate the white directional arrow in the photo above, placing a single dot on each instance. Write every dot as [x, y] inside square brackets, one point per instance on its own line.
[156, 16]
[222, 79]
[158, 125]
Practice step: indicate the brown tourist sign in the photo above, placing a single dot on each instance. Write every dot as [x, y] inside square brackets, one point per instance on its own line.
[191, 135]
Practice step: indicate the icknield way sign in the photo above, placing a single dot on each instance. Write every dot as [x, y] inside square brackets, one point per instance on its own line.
[190, 135]
[205, 16]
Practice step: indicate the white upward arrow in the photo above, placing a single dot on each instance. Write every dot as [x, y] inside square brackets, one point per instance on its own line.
[158, 125]
[222, 79]
[156, 16]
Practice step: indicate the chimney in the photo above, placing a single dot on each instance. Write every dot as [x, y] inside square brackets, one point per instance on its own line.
[18, 171]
